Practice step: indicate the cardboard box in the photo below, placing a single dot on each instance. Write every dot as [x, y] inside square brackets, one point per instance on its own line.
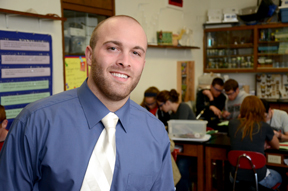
[164, 38]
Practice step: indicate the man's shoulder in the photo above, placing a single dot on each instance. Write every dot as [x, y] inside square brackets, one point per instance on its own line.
[243, 94]
[279, 112]
[50, 101]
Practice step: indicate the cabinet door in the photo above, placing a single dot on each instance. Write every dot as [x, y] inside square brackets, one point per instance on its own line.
[185, 80]
[229, 50]
[272, 50]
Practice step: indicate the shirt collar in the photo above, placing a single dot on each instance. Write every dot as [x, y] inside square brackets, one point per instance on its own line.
[95, 110]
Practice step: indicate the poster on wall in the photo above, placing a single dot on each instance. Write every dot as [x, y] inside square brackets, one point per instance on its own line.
[176, 4]
[76, 71]
[25, 68]
[272, 86]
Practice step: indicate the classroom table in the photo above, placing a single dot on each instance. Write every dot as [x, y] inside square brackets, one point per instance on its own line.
[194, 149]
[217, 149]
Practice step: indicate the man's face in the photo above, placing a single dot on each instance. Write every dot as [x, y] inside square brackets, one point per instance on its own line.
[216, 90]
[118, 58]
[268, 115]
[231, 94]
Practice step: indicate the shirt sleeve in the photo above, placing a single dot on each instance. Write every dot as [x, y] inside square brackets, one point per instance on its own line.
[270, 132]
[17, 159]
[200, 102]
[284, 120]
[165, 180]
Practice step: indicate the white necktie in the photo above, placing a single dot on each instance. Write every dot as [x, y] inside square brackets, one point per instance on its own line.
[100, 169]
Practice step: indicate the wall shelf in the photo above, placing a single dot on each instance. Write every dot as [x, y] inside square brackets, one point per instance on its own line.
[173, 47]
[26, 14]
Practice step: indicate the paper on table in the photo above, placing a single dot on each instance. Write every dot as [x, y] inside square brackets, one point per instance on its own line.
[224, 123]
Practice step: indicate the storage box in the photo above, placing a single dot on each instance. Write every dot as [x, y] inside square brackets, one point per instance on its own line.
[76, 32]
[164, 38]
[77, 44]
[187, 128]
[284, 15]
[284, 4]
[214, 16]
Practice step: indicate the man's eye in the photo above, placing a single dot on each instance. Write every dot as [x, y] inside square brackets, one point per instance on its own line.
[112, 48]
[136, 53]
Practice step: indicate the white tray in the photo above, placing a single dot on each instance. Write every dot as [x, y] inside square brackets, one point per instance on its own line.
[203, 139]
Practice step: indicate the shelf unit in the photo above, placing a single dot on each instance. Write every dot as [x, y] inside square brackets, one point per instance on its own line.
[26, 14]
[243, 43]
[173, 47]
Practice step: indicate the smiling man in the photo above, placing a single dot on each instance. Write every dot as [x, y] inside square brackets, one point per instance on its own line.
[54, 143]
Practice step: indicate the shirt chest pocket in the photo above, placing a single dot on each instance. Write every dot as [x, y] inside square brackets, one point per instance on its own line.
[139, 182]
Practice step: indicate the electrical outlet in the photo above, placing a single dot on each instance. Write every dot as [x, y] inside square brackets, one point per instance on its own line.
[274, 159]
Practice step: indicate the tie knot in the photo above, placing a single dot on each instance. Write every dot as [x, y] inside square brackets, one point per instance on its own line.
[110, 120]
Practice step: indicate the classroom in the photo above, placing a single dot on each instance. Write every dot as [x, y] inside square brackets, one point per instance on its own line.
[257, 60]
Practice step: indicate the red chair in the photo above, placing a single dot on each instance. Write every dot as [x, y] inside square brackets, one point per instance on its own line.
[247, 160]
[175, 153]
[1, 145]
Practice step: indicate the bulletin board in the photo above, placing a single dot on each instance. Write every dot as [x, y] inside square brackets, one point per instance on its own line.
[26, 70]
[76, 71]
[272, 86]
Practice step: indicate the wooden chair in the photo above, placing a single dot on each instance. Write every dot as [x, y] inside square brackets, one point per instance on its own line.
[247, 160]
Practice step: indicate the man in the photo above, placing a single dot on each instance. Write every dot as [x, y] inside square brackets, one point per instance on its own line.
[235, 99]
[210, 103]
[278, 120]
[51, 142]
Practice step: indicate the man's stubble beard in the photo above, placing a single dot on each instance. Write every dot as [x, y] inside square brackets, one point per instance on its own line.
[112, 90]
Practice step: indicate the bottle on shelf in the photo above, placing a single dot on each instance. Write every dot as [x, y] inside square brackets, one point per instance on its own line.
[210, 40]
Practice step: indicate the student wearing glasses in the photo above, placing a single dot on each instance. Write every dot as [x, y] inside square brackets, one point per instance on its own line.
[211, 102]
[168, 101]
[235, 99]
[149, 102]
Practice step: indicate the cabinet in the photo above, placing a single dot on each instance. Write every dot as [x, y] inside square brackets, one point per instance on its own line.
[258, 48]
[185, 80]
[82, 17]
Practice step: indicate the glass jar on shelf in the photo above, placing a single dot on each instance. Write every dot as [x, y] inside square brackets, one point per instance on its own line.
[234, 64]
[248, 63]
[243, 62]
[238, 62]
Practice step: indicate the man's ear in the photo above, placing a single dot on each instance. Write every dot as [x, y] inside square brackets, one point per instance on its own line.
[88, 55]
[4, 123]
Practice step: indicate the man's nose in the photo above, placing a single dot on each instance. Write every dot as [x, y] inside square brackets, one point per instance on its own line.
[124, 59]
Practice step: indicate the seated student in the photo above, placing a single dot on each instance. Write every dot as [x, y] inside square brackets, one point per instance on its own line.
[249, 133]
[235, 99]
[212, 102]
[278, 120]
[3, 125]
[149, 102]
[168, 101]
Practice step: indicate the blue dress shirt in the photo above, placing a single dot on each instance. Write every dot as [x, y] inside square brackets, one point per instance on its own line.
[50, 143]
